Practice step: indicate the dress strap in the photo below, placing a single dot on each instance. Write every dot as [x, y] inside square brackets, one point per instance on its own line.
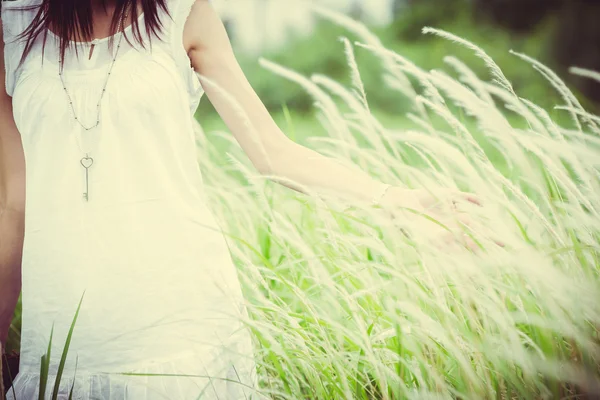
[14, 22]
[180, 11]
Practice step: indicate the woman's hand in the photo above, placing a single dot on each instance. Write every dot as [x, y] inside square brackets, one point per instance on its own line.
[441, 206]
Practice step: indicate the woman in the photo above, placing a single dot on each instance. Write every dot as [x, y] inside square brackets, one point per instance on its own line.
[115, 208]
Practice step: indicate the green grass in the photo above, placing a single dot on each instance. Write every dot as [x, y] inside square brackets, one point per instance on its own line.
[344, 305]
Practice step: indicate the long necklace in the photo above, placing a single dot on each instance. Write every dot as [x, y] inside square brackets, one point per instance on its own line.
[87, 161]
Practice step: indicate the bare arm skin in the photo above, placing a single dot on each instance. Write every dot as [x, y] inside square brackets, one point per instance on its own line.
[272, 153]
[268, 148]
[12, 206]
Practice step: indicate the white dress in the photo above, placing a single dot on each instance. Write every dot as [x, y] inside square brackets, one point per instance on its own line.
[162, 294]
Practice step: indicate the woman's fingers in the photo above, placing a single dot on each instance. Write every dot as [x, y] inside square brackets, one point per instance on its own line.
[451, 207]
[499, 243]
[471, 198]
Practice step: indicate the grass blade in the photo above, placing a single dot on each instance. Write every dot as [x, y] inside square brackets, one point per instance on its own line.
[63, 358]
[45, 367]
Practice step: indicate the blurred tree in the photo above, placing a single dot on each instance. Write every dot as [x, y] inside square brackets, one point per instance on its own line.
[553, 39]
[517, 15]
[578, 41]
[575, 41]
[413, 15]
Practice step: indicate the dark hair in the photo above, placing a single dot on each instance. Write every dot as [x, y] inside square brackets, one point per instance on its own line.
[68, 15]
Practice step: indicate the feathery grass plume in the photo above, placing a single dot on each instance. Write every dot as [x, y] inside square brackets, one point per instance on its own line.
[587, 73]
[423, 155]
[548, 125]
[337, 122]
[561, 87]
[447, 153]
[430, 91]
[525, 143]
[391, 81]
[255, 180]
[402, 64]
[572, 158]
[559, 175]
[361, 30]
[469, 78]
[492, 123]
[355, 73]
[497, 74]
[365, 122]
[362, 113]
[433, 379]
[582, 137]
[516, 106]
[583, 113]
[410, 68]
[458, 128]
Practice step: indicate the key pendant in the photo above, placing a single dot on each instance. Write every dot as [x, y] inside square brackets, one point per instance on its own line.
[87, 162]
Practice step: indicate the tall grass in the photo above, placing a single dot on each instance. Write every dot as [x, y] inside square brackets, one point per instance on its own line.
[346, 306]
[346, 303]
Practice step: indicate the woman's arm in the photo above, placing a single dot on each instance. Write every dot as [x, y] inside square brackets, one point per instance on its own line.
[12, 206]
[268, 148]
[273, 153]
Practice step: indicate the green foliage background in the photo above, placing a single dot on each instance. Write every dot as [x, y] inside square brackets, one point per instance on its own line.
[322, 53]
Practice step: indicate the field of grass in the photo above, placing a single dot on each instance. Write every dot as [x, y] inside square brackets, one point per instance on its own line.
[347, 303]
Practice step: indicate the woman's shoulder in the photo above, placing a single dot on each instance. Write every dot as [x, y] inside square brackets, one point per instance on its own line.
[17, 4]
[181, 6]
[17, 14]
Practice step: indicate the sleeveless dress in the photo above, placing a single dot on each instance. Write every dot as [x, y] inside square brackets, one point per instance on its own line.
[159, 290]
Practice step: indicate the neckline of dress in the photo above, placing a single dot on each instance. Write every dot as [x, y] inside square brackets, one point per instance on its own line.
[100, 40]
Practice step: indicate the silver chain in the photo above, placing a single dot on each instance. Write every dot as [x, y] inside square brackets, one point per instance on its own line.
[60, 73]
[87, 161]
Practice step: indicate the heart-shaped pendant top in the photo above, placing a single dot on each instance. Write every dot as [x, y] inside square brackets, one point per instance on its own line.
[87, 162]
